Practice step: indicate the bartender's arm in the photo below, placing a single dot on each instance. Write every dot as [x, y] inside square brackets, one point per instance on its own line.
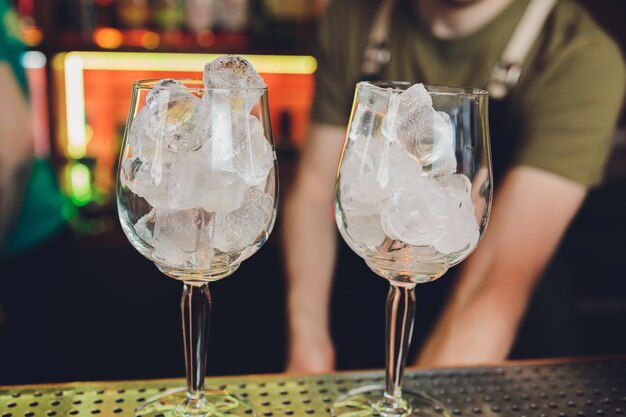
[310, 244]
[570, 112]
[531, 212]
[16, 147]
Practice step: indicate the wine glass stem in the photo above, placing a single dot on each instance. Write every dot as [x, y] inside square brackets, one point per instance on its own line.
[195, 307]
[399, 327]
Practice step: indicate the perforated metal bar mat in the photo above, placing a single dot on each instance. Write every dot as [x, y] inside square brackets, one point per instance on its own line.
[553, 389]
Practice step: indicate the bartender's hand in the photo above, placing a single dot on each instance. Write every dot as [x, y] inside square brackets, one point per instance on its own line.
[311, 353]
[309, 246]
[530, 215]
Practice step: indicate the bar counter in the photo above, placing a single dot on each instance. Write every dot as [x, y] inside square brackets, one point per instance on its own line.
[594, 386]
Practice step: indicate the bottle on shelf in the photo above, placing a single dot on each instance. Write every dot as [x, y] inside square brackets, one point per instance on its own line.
[232, 15]
[199, 15]
[105, 13]
[289, 24]
[76, 16]
[68, 14]
[168, 15]
[133, 14]
[257, 20]
[88, 15]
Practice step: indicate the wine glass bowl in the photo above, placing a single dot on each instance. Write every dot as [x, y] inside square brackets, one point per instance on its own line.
[197, 192]
[174, 171]
[413, 197]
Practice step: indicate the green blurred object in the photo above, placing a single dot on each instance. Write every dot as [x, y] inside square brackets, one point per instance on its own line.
[91, 212]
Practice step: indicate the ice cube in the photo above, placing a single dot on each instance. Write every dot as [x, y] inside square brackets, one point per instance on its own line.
[458, 182]
[144, 144]
[238, 144]
[416, 213]
[231, 71]
[236, 74]
[412, 122]
[444, 162]
[396, 168]
[364, 230]
[371, 106]
[359, 172]
[145, 227]
[407, 115]
[184, 238]
[166, 252]
[371, 170]
[473, 242]
[444, 166]
[239, 229]
[140, 144]
[402, 168]
[181, 227]
[195, 183]
[390, 124]
[160, 88]
[138, 175]
[459, 234]
[254, 156]
[462, 224]
[188, 137]
[222, 141]
[430, 144]
[169, 119]
[415, 97]
[459, 198]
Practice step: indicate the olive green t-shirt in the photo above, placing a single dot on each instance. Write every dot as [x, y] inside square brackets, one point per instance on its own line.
[560, 117]
[41, 213]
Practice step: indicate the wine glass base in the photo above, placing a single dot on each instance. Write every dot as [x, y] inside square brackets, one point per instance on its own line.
[216, 403]
[368, 401]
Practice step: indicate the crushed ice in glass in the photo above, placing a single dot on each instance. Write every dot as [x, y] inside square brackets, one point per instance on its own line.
[202, 162]
[398, 179]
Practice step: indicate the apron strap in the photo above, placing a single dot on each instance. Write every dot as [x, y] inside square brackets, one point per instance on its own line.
[377, 54]
[506, 73]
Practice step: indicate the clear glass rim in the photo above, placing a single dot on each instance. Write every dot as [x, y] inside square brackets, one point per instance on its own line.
[190, 84]
[439, 89]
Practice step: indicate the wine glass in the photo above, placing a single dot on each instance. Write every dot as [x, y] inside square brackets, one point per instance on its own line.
[197, 194]
[413, 196]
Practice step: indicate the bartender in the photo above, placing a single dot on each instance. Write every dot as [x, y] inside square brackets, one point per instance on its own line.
[551, 126]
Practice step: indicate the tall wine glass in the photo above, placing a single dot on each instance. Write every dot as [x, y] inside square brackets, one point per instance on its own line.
[196, 194]
[413, 196]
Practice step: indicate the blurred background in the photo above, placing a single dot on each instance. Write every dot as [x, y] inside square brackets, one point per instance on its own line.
[114, 315]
